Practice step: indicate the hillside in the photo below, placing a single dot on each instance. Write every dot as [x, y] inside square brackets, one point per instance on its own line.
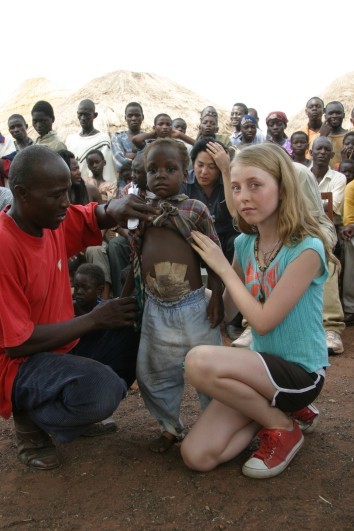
[341, 89]
[111, 93]
[156, 94]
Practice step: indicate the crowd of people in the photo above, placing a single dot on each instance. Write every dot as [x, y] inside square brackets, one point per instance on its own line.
[104, 241]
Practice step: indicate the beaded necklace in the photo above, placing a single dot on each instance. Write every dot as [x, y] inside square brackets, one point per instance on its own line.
[268, 258]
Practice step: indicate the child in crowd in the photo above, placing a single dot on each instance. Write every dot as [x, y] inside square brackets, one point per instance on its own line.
[180, 125]
[177, 315]
[125, 174]
[209, 128]
[272, 385]
[347, 153]
[347, 168]
[80, 192]
[117, 349]
[96, 163]
[88, 288]
[276, 123]
[162, 129]
[299, 142]
[248, 132]
[108, 190]
[118, 249]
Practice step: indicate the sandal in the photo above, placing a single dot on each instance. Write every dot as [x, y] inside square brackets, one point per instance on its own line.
[163, 443]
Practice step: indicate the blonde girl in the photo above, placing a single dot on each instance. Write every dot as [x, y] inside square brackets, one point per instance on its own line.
[276, 281]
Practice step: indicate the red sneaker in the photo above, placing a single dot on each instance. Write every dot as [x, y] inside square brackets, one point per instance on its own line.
[307, 418]
[276, 449]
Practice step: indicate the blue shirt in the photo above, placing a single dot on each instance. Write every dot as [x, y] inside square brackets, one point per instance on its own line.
[121, 144]
[300, 337]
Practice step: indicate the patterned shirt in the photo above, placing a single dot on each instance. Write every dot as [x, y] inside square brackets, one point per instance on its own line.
[300, 336]
[121, 144]
[184, 215]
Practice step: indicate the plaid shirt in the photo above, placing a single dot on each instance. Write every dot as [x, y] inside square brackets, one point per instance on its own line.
[184, 215]
[180, 214]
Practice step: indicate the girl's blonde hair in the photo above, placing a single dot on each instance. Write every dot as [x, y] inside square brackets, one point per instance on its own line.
[295, 221]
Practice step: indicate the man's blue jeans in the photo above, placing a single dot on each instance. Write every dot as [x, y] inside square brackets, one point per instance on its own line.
[65, 393]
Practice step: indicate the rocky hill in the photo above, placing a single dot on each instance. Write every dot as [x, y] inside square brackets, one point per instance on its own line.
[111, 93]
[341, 89]
[156, 94]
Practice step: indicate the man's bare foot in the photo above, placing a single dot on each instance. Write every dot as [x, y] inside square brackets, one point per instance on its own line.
[163, 443]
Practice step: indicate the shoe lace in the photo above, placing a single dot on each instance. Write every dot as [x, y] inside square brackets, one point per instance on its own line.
[268, 440]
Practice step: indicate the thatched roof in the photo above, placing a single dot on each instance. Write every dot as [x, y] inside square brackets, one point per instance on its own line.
[111, 93]
[341, 89]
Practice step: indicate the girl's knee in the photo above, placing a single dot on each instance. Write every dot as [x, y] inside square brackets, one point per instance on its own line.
[197, 361]
[194, 459]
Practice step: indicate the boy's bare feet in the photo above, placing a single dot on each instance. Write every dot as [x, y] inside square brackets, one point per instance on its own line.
[163, 443]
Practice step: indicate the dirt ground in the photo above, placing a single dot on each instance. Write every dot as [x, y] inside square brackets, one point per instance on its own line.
[116, 482]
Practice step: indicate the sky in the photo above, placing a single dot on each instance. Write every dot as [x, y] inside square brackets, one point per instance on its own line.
[271, 55]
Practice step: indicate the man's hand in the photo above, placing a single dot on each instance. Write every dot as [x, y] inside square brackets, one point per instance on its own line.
[115, 313]
[325, 129]
[118, 211]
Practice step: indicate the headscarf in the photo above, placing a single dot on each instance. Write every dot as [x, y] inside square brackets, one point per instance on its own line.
[248, 119]
[277, 115]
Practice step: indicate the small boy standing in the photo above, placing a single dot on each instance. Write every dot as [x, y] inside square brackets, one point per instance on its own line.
[177, 314]
[299, 142]
[96, 164]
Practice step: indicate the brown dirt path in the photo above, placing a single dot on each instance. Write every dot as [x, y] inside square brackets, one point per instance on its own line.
[115, 482]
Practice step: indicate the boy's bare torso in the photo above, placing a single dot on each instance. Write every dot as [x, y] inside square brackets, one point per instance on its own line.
[170, 267]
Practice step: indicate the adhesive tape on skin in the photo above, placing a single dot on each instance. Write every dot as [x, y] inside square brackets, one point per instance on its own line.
[134, 222]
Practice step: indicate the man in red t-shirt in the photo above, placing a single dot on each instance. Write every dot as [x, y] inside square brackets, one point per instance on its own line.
[51, 392]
